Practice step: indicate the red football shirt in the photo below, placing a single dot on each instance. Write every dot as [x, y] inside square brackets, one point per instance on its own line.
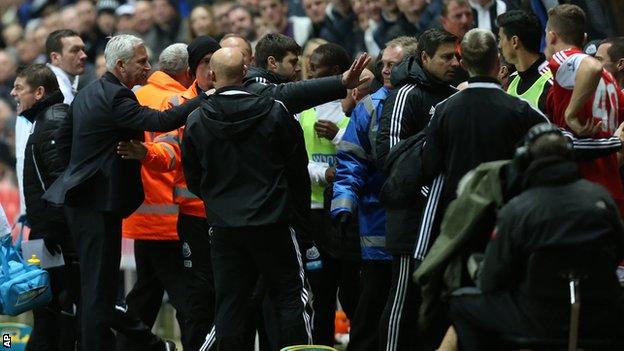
[607, 105]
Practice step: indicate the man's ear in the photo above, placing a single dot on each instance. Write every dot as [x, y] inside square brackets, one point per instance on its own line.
[39, 93]
[271, 62]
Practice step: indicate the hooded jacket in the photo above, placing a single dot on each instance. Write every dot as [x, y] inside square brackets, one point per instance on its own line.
[407, 112]
[244, 155]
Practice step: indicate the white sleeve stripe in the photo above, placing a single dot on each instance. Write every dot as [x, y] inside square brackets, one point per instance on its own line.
[397, 114]
[426, 226]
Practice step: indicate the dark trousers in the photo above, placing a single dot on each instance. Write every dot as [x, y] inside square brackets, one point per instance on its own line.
[336, 278]
[98, 242]
[399, 321]
[238, 256]
[54, 325]
[159, 268]
[375, 284]
[194, 234]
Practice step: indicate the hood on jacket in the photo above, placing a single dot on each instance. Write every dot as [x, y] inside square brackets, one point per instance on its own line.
[52, 99]
[259, 74]
[409, 71]
[232, 112]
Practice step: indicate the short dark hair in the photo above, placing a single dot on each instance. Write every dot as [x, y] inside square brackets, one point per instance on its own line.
[276, 45]
[523, 25]
[616, 51]
[430, 41]
[333, 55]
[549, 145]
[54, 43]
[479, 51]
[568, 21]
[39, 75]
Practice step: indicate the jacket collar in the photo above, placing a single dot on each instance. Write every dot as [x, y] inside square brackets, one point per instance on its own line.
[550, 171]
[52, 99]
[164, 81]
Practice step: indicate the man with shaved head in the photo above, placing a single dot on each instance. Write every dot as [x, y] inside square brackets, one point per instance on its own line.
[244, 155]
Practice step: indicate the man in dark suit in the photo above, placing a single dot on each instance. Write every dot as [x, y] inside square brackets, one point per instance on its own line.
[99, 188]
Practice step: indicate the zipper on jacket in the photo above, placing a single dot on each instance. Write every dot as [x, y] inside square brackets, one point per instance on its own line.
[32, 148]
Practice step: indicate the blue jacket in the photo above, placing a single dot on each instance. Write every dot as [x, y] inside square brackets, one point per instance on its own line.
[358, 180]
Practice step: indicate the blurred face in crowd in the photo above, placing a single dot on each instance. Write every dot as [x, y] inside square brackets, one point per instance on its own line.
[616, 68]
[274, 12]
[86, 15]
[288, 68]
[69, 18]
[506, 47]
[12, 34]
[412, 7]
[25, 96]
[320, 69]
[7, 67]
[390, 57]
[315, 10]
[221, 14]
[125, 24]
[106, 22]
[443, 64]
[241, 23]
[242, 45]
[202, 74]
[72, 58]
[458, 20]
[135, 71]
[143, 16]
[164, 13]
[201, 21]
[372, 9]
[100, 65]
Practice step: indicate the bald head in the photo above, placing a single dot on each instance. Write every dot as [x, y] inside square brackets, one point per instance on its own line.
[235, 41]
[228, 67]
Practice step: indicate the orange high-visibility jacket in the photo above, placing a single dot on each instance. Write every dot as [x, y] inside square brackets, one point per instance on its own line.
[157, 217]
[165, 154]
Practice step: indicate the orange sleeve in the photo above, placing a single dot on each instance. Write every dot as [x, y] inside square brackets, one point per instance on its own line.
[164, 153]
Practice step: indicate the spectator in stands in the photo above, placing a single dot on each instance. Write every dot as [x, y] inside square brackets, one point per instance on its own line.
[611, 54]
[486, 12]
[66, 52]
[274, 13]
[242, 23]
[556, 208]
[341, 27]
[169, 26]
[221, 10]
[457, 17]
[315, 10]
[40, 100]
[519, 43]
[201, 22]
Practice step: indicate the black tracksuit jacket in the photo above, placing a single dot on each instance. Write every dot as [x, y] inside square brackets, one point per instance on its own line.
[244, 155]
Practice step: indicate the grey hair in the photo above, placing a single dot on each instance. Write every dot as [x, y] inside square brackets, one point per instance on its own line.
[120, 47]
[173, 59]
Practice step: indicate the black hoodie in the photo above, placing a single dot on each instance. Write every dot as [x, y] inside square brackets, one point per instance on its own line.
[244, 155]
[408, 107]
